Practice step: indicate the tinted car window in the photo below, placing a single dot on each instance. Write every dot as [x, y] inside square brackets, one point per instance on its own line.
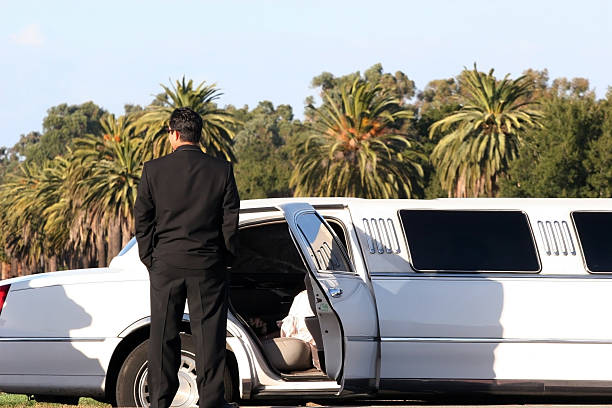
[470, 241]
[595, 234]
[325, 250]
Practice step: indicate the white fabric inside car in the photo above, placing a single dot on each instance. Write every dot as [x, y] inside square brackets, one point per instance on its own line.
[294, 324]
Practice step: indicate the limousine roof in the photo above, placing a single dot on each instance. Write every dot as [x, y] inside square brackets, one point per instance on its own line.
[570, 204]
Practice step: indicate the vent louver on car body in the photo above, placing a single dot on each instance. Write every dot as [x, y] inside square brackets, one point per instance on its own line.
[557, 238]
[381, 236]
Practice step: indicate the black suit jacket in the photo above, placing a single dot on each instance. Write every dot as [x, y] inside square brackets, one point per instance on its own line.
[186, 211]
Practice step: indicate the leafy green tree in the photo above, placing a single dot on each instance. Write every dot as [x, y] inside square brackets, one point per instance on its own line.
[481, 138]
[598, 160]
[61, 126]
[355, 148]
[397, 86]
[558, 160]
[574, 88]
[218, 124]
[439, 94]
[262, 148]
[8, 161]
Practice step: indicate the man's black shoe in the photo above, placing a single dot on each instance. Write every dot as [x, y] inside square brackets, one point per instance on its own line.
[231, 405]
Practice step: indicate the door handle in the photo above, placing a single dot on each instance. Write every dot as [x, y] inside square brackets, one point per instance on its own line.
[335, 292]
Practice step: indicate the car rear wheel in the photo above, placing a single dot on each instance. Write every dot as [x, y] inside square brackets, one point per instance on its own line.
[132, 388]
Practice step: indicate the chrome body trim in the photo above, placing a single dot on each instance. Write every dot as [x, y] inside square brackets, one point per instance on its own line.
[51, 339]
[484, 275]
[361, 338]
[488, 340]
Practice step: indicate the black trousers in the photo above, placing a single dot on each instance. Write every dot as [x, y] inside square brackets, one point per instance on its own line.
[206, 292]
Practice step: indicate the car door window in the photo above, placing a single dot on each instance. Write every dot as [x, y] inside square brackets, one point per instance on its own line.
[324, 248]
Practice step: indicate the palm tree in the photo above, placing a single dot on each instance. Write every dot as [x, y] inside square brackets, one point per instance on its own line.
[110, 167]
[57, 209]
[217, 130]
[355, 148]
[484, 135]
[22, 232]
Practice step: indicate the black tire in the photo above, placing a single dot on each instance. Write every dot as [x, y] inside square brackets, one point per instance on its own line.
[132, 391]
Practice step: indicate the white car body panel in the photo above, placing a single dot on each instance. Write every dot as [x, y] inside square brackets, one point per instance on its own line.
[58, 330]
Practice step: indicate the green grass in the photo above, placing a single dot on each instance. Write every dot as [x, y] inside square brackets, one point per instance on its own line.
[19, 401]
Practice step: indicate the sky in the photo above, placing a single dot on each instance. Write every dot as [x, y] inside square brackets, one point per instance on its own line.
[117, 52]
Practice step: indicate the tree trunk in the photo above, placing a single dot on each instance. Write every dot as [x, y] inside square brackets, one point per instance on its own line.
[6, 270]
[14, 270]
[114, 239]
[100, 248]
[52, 264]
[126, 232]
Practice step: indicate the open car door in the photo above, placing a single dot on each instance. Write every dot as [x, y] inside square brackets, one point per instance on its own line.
[340, 298]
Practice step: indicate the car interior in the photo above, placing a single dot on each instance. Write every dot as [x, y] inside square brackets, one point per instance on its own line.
[266, 279]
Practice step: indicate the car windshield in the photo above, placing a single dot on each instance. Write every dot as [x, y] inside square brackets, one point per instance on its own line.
[128, 246]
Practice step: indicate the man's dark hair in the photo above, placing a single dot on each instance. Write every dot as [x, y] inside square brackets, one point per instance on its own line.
[188, 123]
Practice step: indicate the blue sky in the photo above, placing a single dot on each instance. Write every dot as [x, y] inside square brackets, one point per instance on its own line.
[117, 52]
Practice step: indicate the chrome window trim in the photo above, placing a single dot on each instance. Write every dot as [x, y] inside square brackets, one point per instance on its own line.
[347, 236]
[127, 246]
[459, 272]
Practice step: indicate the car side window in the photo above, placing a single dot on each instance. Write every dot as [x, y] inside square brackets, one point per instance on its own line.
[470, 241]
[593, 228]
[326, 251]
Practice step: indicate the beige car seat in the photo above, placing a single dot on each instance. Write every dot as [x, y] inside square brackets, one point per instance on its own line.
[288, 354]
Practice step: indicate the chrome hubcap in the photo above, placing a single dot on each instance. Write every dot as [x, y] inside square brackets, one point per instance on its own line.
[187, 394]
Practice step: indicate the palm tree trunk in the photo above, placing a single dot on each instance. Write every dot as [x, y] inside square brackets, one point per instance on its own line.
[126, 233]
[52, 266]
[114, 239]
[5, 269]
[14, 268]
[100, 248]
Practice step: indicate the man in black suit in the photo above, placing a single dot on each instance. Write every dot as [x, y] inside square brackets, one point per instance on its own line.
[186, 216]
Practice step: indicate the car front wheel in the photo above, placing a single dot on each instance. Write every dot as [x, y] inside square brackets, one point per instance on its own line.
[133, 390]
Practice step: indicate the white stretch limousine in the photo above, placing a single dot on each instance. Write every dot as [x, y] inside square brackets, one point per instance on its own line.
[343, 297]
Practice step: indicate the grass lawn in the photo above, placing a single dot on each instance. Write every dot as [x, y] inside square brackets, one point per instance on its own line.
[18, 401]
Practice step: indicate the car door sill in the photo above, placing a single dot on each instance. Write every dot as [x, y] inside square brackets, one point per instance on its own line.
[328, 388]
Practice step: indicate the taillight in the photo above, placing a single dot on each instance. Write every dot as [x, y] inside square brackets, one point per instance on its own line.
[3, 292]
